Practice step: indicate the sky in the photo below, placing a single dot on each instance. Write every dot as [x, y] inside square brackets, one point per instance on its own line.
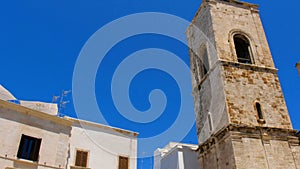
[41, 43]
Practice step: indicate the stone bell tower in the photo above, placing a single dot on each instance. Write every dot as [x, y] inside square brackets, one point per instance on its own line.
[242, 118]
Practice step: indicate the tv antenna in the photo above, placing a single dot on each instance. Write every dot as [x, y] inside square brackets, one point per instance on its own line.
[62, 103]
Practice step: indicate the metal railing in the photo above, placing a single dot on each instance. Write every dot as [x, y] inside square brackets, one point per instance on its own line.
[244, 60]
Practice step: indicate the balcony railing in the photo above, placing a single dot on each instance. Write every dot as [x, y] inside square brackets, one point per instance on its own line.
[244, 60]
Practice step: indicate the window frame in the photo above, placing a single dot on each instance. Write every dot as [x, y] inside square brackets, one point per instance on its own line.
[260, 113]
[252, 49]
[244, 43]
[87, 158]
[119, 161]
[203, 56]
[210, 122]
[29, 148]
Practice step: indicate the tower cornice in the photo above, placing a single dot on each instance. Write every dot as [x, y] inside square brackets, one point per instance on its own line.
[235, 3]
[238, 132]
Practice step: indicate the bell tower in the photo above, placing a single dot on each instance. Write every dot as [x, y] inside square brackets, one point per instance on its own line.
[242, 118]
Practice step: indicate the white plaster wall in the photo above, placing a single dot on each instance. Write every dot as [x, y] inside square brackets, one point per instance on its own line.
[181, 156]
[104, 146]
[170, 161]
[54, 146]
[190, 158]
[157, 158]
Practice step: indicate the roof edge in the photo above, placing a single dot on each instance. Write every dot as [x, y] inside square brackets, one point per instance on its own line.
[35, 113]
[98, 125]
[250, 6]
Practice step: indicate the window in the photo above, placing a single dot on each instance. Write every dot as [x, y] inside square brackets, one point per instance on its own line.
[29, 148]
[259, 112]
[123, 162]
[242, 48]
[203, 61]
[194, 66]
[210, 122]
[199, 63]
[81, 158]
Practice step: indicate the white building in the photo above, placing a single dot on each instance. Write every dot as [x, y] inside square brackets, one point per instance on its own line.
[31, 139]
[106, 147]
[176, 156]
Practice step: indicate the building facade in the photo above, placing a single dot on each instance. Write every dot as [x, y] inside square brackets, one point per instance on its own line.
[32, 139]
[176, 156]
[105, 147]
[242, 118]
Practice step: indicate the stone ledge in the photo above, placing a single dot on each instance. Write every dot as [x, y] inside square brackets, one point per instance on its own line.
[28, 162]
[238, 132]
[298, 134]
[34, 113]
[249, 66]
[77, 167]
[237, 3]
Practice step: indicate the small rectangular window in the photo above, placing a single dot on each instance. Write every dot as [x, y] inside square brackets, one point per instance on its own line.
[29, 148]
[123, 162]
[81, 158]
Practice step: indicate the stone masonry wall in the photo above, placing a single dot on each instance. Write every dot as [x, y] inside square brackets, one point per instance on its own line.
[219, 156]
[279, 154]
[211, 99]
[207, 90]
[249, 153]
[260, 147]
[254, 153]
[238, 140]
[296, 154]
[244, 147]
[227, 19]
[244, 85]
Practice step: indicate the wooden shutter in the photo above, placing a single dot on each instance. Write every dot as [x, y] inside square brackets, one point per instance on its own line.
[123, 162]
[21, 146]
[36, 149]
[84, 159]
[81, 158]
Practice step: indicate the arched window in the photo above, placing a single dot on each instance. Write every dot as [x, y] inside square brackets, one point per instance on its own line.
[242, 48]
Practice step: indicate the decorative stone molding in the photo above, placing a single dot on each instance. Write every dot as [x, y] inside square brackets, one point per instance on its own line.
[236, 3]
[238, 132]
[27, 162]
[249, 66]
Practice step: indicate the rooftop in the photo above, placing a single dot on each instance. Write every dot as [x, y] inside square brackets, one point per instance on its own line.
[101, 126]
[49, 112]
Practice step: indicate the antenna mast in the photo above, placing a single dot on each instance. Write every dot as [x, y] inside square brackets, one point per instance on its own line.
[62, 103]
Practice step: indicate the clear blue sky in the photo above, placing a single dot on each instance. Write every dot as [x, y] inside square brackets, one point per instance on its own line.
[41, 40]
